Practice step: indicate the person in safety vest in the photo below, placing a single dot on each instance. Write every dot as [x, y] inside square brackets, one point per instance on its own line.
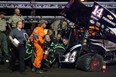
[37, 37]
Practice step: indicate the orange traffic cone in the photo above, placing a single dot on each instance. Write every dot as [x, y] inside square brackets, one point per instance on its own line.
[104, 67]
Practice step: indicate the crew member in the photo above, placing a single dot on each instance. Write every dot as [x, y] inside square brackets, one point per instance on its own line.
[14, 19]
[3, 39]
[37, 37]
[18, 51]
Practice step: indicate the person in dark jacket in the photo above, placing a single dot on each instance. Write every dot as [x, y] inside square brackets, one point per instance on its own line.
[17, 38]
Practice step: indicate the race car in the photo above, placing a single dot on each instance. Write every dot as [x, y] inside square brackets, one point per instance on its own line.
[91, 49]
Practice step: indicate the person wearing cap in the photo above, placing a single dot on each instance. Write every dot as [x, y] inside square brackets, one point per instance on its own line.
[55, 26]
[3, 38]
[14, 19]
[37, 37]
[64, 28]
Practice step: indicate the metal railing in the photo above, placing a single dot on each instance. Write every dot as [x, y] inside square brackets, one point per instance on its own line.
[48, 5]
[35, 19]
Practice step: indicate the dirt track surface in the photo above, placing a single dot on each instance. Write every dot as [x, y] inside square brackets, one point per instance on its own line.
[59, 72]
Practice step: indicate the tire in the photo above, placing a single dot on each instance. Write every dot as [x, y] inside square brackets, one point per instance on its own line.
[90, 62]
[96, 63]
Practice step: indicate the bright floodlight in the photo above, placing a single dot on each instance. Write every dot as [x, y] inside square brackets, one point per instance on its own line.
[82, 0]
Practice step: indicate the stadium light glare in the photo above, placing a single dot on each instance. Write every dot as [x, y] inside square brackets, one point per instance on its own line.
[82, 0]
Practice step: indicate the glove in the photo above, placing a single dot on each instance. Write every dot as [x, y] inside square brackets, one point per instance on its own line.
[35, 36]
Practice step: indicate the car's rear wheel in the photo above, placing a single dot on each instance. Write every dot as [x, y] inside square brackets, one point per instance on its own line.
[90, 62]
[96, 63]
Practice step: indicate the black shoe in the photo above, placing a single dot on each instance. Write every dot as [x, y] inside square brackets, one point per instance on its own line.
[23, 73]
[47, 65]
[10, 70]
[33, 69]
[45, 69]
[1, 62]
[39, 71]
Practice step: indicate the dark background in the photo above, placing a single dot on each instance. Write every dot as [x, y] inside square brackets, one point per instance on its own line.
[40, 12]
[52, 0]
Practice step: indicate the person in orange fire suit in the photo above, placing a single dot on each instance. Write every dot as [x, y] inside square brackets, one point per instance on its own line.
[37, 37]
